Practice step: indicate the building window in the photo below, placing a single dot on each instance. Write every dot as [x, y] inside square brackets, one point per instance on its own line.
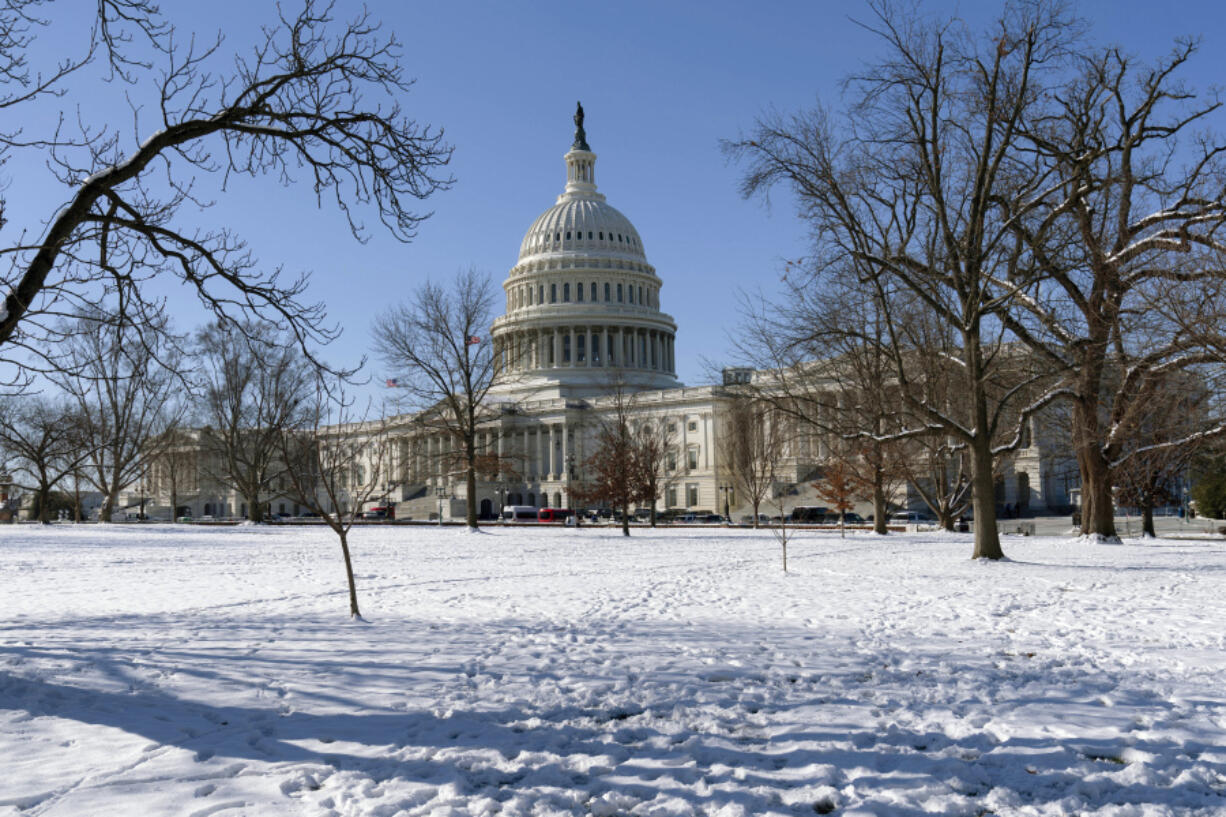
[671, 497]
[566, 293]
[601, 234]
[619, 293]
[672, 428]
[611, 356]
[670, 461]
[595, 349]
[579, 292]
[541, 295]
[553, 293]
[691, 494]
[640, 295]
[692, 425]
[606, 291]
[580, 344]
[593, 290]
[691, 458]
[630, 294]
[566, 348]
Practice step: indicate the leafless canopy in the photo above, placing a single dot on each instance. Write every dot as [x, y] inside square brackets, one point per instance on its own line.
[436, 345]
[315, 102]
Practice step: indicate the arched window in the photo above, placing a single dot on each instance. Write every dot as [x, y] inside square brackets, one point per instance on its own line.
[568, 235]
[566, 293]
[593, 290]
[579, 292]
[580, 348]
[640, 295]
[601, 236]
[566, 348]
[540, 295]
[553, 293]
[619, 293]
[606, 292]
[630, 294]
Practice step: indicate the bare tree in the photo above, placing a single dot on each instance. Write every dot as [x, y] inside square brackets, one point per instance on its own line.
[827, 364]
[751, 444]
[613, 470]
[315, 100]
[1151, 470]
[908, 187]
[1127, 283]
[44, 446]
[116, 374]
[443, 364]
[335, 462]
[255, 386]
[654, 446]
[174, 457]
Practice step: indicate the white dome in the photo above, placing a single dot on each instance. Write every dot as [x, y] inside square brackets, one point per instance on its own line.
[582, 224]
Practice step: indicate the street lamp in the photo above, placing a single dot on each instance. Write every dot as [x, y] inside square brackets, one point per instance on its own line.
[502, 503]
[441, 493]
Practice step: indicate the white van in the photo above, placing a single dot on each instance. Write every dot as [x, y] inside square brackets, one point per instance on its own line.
[518, 513]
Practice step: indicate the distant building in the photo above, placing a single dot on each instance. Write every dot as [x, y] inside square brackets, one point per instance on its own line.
[583, 320]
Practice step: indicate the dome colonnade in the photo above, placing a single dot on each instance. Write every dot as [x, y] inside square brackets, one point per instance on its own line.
[582, 302]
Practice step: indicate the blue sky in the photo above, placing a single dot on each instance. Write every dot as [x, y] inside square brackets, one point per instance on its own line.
[661, 82]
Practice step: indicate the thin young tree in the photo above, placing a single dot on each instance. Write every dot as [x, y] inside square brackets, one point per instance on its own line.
[908, 187]
[654, 444]
[614, 479]
[751, 444]
[435, 343]
[827, 365]
[839, 486]
[315, 101]
[335, 461]
[255, 385]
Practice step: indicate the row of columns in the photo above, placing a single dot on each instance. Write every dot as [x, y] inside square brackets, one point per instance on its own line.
[574, 347]
[538, 452]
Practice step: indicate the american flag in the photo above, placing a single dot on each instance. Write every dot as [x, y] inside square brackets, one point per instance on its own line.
[473, 339]
[392, 382]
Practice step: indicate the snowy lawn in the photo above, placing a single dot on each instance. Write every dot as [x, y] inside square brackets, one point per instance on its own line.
[177, 671]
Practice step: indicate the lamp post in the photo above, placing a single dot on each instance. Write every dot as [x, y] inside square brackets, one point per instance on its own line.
[727, 489]
[441, 493]
[502, 503]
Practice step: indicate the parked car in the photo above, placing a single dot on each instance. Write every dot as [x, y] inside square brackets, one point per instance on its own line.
[376, 513]
[808, 514]
[909, 518]
[763, 519]
[849, 518]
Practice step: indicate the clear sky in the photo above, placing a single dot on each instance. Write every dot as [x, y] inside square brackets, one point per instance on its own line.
[661, 83]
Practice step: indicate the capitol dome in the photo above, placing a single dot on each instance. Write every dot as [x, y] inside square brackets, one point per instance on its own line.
[582, 303]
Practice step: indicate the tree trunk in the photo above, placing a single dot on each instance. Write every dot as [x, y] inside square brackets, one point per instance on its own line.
[983, 500]
[108, 508]
[879, 515]
[625, 519]
[757, 506]
[174, 503]
[1097, 500]
[354, 612]
[253, 507]
[470, 484]
[1147, 516]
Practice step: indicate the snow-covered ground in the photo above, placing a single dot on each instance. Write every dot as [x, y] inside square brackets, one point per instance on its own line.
[180, 671]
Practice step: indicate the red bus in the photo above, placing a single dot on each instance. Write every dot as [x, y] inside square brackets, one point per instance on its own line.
[554, 514]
